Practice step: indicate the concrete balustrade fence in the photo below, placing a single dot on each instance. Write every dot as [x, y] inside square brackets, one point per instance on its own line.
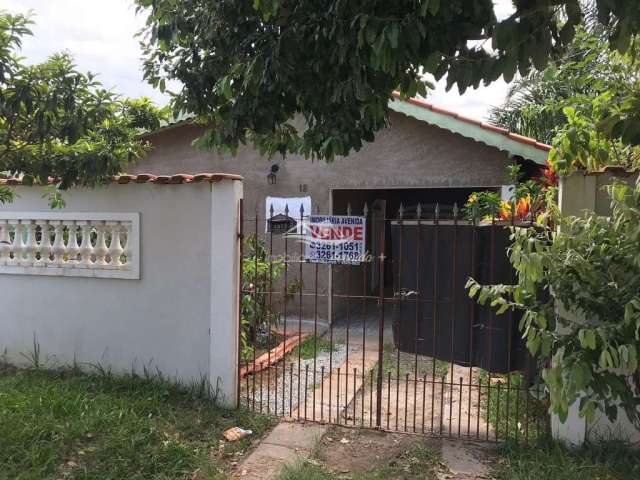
[71, 244]
[141, 274]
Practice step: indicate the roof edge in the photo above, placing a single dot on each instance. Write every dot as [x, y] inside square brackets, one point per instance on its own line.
[478, 130]
[177, 179]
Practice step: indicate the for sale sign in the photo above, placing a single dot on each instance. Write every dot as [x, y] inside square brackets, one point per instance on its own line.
[335, 239]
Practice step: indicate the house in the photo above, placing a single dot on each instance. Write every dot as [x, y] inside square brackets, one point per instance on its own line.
[427, 152]
[427, 155]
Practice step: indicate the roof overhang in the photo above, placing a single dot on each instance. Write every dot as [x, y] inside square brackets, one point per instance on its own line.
[483, 132]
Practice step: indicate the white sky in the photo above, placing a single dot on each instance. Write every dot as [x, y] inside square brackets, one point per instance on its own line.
[100, 36]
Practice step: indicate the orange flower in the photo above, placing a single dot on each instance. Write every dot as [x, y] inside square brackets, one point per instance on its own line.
[523, 208]
[505, 211]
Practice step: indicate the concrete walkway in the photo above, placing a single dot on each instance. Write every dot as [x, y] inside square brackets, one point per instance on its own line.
[286, 444]
[464, 460]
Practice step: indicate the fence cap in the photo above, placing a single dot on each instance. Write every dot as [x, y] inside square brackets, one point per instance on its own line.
[176, 179]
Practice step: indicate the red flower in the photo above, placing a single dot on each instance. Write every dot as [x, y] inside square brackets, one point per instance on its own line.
[549, 176]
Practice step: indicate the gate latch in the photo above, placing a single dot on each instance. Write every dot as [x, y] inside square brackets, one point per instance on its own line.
[405, 293]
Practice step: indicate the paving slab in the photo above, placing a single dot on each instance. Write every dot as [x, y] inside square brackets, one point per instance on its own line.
[464, 460]
[287, 443]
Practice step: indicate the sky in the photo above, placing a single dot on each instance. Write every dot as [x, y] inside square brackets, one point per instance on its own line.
[100, 34]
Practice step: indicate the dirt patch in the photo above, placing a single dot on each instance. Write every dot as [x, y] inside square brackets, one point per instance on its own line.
[355, 451]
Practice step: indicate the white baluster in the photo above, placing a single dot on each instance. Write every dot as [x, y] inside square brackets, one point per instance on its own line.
[73, 250]
[128, 246]
[52, 245]
[30, 246]
[5, 242]
[44, 248]
[86, 249]
[115, 248]
[100, 250]
[16, 245]
[59, 248]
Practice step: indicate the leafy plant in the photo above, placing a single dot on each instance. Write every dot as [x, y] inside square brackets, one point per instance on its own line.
[579, 291]
[587, 69]
[59, 123]
[249, 69]
[528, 199]
[259, 275]
[482, 204]
[582, 144]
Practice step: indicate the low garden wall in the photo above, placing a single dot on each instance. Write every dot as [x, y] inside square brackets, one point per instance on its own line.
[138, 275]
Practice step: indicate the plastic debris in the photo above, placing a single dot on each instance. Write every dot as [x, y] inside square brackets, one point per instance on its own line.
[236, 433]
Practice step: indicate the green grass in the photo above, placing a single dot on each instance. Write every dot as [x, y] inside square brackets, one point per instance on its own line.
[407, 365]
[68, 425]
[548, 460]
[310, 346]
[513, 411]
[416, 463]
[305, 470]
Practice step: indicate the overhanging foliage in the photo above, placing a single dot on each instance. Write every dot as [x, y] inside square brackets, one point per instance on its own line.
[56, 122]
[250, 68]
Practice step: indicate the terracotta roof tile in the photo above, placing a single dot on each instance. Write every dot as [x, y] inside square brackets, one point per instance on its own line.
[179, 178]
[202, 177]
[145, 177]
[495, 128]
[123, 178]
[487, 126]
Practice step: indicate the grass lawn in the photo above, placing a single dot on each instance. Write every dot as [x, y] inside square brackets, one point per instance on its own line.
[514, 412]
[610, 461]
[64, 424]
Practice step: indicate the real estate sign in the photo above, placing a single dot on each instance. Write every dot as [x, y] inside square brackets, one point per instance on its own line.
[338, 239]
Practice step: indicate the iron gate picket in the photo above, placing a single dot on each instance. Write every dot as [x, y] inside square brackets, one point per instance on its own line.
[407, 350]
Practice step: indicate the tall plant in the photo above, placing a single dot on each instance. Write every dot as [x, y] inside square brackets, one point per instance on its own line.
[590, 324]
[259, 275]
[589, 68]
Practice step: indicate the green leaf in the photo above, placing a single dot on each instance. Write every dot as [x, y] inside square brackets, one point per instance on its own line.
[434, 6]
[424, 5]
[392, 33]
[510, 67]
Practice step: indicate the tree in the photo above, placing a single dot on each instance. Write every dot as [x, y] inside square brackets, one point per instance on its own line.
[56, 122]
[588, 69]
[251, 68]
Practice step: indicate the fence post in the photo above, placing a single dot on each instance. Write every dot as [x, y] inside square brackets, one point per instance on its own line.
[224, 273]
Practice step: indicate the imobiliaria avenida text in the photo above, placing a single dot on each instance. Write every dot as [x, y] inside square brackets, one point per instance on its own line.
[332, 239]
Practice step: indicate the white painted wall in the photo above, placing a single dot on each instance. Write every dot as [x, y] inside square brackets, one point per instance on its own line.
[180, 317]
[579, 192]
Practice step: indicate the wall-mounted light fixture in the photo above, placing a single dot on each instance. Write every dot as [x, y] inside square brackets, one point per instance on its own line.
[271, 177]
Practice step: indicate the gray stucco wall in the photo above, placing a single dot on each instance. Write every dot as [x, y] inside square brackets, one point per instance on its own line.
[408, 154]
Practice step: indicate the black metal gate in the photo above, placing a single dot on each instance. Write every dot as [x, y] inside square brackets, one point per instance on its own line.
[391, 343]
